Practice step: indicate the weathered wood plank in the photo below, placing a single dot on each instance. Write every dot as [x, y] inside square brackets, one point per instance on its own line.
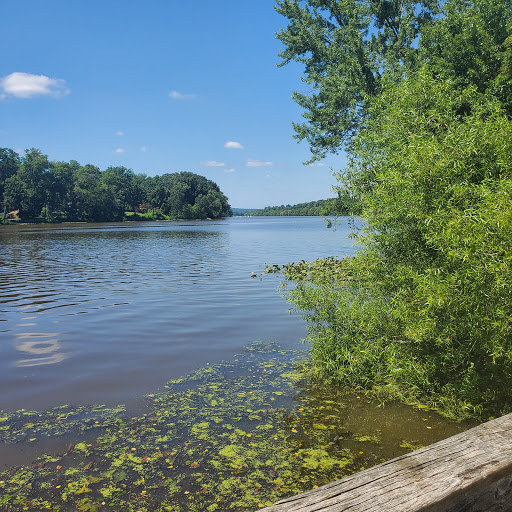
[464, 473]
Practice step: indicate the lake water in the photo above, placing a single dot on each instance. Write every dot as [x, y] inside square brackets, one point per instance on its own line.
[109, 313]
[104, 313]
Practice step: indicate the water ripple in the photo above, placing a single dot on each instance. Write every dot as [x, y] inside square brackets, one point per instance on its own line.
[103, 312]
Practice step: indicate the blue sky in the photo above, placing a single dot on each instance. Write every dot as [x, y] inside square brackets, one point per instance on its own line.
[159, 86]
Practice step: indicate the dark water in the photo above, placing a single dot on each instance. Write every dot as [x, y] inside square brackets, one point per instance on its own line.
[104, 313]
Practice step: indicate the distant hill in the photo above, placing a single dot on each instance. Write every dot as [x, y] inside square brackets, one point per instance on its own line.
[313, 208]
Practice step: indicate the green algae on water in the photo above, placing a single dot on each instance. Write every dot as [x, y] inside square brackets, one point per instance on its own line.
[235, 436]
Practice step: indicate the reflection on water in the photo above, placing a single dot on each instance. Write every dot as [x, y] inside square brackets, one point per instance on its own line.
[106, 312]
[38, 344]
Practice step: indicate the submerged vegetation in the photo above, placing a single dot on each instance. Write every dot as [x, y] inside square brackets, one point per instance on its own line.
[235, 436]
[40, 190]
[422, 312]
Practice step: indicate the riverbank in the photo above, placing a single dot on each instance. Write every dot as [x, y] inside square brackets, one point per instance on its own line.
[128, 217]
[239, 435]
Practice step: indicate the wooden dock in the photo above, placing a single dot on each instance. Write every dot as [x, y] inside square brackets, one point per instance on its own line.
[469, 472]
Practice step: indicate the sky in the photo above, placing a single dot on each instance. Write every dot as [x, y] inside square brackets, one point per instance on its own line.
[160, 86]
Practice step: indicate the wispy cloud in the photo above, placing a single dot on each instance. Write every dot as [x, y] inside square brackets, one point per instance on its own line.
[144, 149]
[257, 163]
[317, 164]
[230, 170]
[119, 133]
[231, 144]
[120, 150]
[175, 95]
[213, 163]
[26, 85]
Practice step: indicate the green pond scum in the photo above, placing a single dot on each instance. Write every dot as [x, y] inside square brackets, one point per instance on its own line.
[236, 436]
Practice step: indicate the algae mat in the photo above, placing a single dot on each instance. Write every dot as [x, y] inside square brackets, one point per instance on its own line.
[235, 436]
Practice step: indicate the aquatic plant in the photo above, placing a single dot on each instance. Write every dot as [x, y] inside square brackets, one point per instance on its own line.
[235, 436]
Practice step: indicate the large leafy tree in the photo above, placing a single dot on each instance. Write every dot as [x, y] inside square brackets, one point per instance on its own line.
[421, 310]
[347, 47]
[470, 45]
[60, 192]
[28, 189]
[92, 200]
[9, 164]
[436, 248]
[187, 195]
[124, 185]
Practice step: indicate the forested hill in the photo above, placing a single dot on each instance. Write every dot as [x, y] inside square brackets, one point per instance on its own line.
[333, 206]
[43, 190]
[311, 208]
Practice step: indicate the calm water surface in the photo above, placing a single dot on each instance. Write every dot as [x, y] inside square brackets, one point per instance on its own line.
[103, 313]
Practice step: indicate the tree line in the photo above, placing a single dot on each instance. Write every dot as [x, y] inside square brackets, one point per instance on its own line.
[311, 208]
[419, 96]
[44, 190]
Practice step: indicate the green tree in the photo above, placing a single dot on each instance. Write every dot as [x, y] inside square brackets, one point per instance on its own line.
[154, 192]
[421, 310]
[186, 195]
[124, 186]
[60, 188]
[9, 164]
[470, 45]
[314, 208]
[14, 193]
[28, 189]
[92, 200]
[347, 47]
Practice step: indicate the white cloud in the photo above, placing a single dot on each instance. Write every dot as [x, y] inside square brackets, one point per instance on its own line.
[257, 163]
[119, 150]
[175, 95]
[26, 85]
[119, 133]
[144, 149]
[231, 144]
[229, 170]
[317, 164]
[213, 163]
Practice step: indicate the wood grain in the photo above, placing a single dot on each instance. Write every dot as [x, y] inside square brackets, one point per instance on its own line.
[469, 472]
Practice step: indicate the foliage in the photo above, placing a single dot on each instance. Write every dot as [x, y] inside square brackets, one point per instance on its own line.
[347, 47]
[421, 311]
[9, 163]
[422, 308]
[471, 44]
[190, 196]
[313, 208]
[56, 191]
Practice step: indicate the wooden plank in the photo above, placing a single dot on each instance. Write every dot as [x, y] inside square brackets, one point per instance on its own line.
[495, 498]
[449, 476]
